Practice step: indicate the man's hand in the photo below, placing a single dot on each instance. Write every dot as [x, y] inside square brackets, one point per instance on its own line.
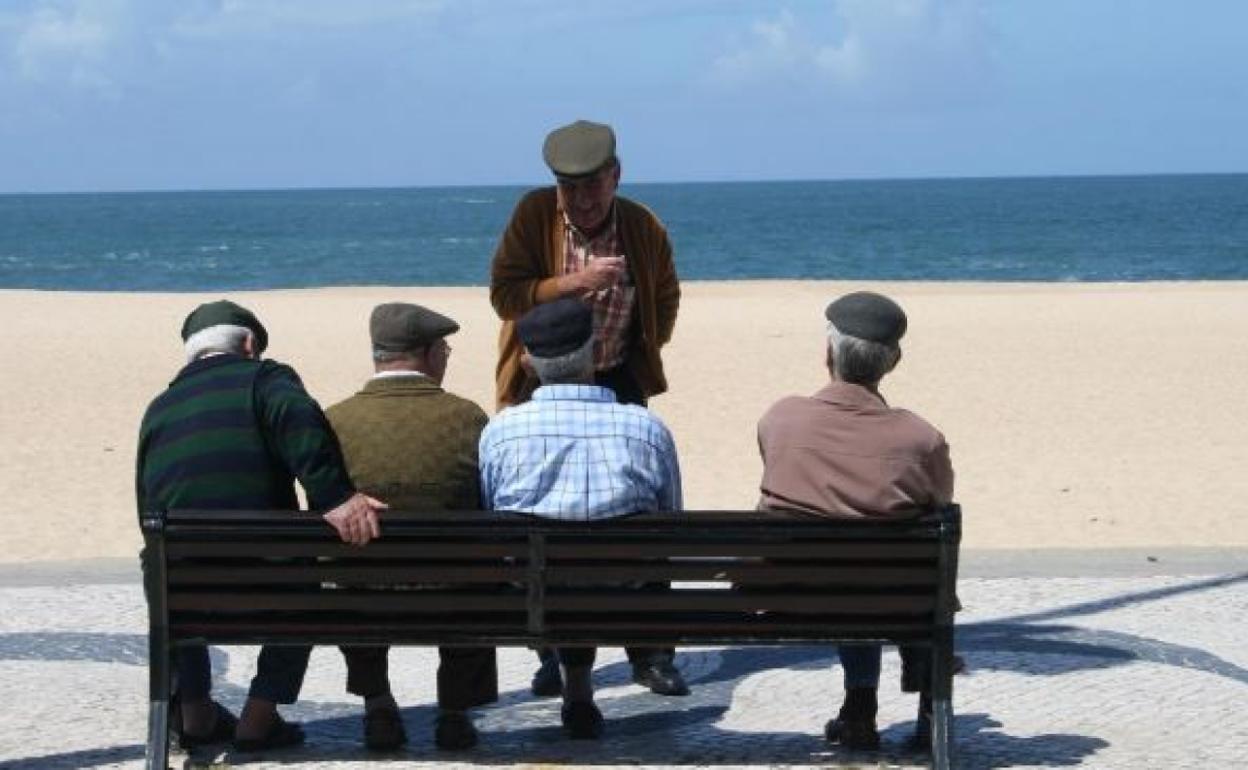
[599, 273]
[356, 519]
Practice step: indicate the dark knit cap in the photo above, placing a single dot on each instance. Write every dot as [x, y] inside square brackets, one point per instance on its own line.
[868, 316]
[398, 327]
[579, 149]
[556, 328]
[225, 312]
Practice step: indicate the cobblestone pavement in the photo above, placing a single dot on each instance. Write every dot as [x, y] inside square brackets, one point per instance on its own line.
[1099, 672]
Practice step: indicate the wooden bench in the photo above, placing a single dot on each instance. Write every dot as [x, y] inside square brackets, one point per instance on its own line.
[498, 579]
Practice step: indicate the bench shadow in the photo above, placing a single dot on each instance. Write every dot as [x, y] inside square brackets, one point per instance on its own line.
[643, 729]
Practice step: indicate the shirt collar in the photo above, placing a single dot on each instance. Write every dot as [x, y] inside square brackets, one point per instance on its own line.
[574, 393]
[399, 373]
[849, 394]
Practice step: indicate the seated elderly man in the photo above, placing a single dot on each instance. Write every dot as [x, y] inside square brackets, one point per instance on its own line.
[406, 438]
[845, 453]
[233, 431]
[573, 453]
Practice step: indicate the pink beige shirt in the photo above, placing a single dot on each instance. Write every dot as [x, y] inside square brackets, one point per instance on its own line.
[845, 453]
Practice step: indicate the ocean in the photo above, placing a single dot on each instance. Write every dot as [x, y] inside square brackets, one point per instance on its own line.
[1144, 228]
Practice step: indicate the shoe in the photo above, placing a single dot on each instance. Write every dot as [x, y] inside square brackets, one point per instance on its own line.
[453, 731]
[281, 734]
[854, 727]
[383, 729]
[222, 730]
[582, 720]
[857, 735]
[661, 677]
[548, 682]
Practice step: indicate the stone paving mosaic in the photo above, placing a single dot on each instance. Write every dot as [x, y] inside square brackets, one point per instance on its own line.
[1064, 672]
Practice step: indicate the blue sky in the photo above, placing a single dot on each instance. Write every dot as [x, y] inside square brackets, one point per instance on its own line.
[191, 94]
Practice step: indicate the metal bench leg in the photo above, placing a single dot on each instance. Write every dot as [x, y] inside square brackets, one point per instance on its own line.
[158, 735]
[942, 734]
[942, 699]
[160, 666]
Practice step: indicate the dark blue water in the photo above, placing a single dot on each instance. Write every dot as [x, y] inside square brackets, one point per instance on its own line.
[1057, 229]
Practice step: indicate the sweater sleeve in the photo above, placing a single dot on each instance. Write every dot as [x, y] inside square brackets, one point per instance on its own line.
[518, 275]
[300, 436]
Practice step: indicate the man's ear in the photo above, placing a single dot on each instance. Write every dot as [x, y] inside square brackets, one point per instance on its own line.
[526, 363]
[249, 346]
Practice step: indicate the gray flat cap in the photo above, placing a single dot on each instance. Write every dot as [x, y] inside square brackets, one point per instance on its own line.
[556, 328]
[868, 316]
[398, 327]
[225, 312]
[579, 149]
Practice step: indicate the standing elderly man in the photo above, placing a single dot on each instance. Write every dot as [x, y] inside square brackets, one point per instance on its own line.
[572, 452]
[235, 432]
[845, 453]
[407, 439]
[579, 239]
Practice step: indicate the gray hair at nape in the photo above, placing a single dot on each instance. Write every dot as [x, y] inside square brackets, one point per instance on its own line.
[390, 356]
[222, 338]
[860, 361]
[567, 368]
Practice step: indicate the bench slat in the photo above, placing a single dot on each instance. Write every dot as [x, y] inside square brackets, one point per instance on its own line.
[380, 575]
[339, 601]
[857, 575]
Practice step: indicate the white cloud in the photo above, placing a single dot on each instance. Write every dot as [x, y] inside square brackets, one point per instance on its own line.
[68, 42]
[873, 50]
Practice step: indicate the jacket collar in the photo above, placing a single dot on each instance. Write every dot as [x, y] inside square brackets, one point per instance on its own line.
[415, 383]
[840, 393]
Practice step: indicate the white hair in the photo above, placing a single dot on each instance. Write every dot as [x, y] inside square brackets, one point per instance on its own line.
[222, 338]
[569, 367]
[859, 361]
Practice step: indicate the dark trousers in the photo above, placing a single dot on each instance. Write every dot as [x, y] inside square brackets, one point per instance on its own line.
[861, 664]
[279, 673]
[467, 676]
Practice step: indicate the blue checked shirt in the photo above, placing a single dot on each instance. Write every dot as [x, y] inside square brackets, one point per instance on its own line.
[574, 453]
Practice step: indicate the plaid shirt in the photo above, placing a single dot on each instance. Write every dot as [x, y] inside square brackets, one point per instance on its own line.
[613, 306]
[574, 453]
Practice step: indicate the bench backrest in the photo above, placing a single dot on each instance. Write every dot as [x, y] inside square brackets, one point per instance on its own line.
[506, 579]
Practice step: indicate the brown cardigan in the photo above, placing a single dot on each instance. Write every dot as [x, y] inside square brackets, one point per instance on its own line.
[525, 272]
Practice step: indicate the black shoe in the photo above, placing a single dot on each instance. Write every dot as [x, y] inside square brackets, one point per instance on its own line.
[661, 677]
[858, 735]
[383, 729]
[281, 734]
[854, 727]
[453, 731]
[548, 682]
[582, 720]
[222, 730]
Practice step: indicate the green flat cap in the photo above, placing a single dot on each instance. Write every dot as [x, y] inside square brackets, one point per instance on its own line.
[225, 312]
[579, 149]
[399, 327]
[868, 316]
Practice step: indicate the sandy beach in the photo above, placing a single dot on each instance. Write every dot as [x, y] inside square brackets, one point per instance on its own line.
[1079, 415]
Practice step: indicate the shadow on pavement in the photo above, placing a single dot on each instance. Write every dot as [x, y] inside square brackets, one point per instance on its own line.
[643, 729]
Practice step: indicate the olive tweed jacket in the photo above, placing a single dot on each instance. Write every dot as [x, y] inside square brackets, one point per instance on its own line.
[529, 260]
[411, 444]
